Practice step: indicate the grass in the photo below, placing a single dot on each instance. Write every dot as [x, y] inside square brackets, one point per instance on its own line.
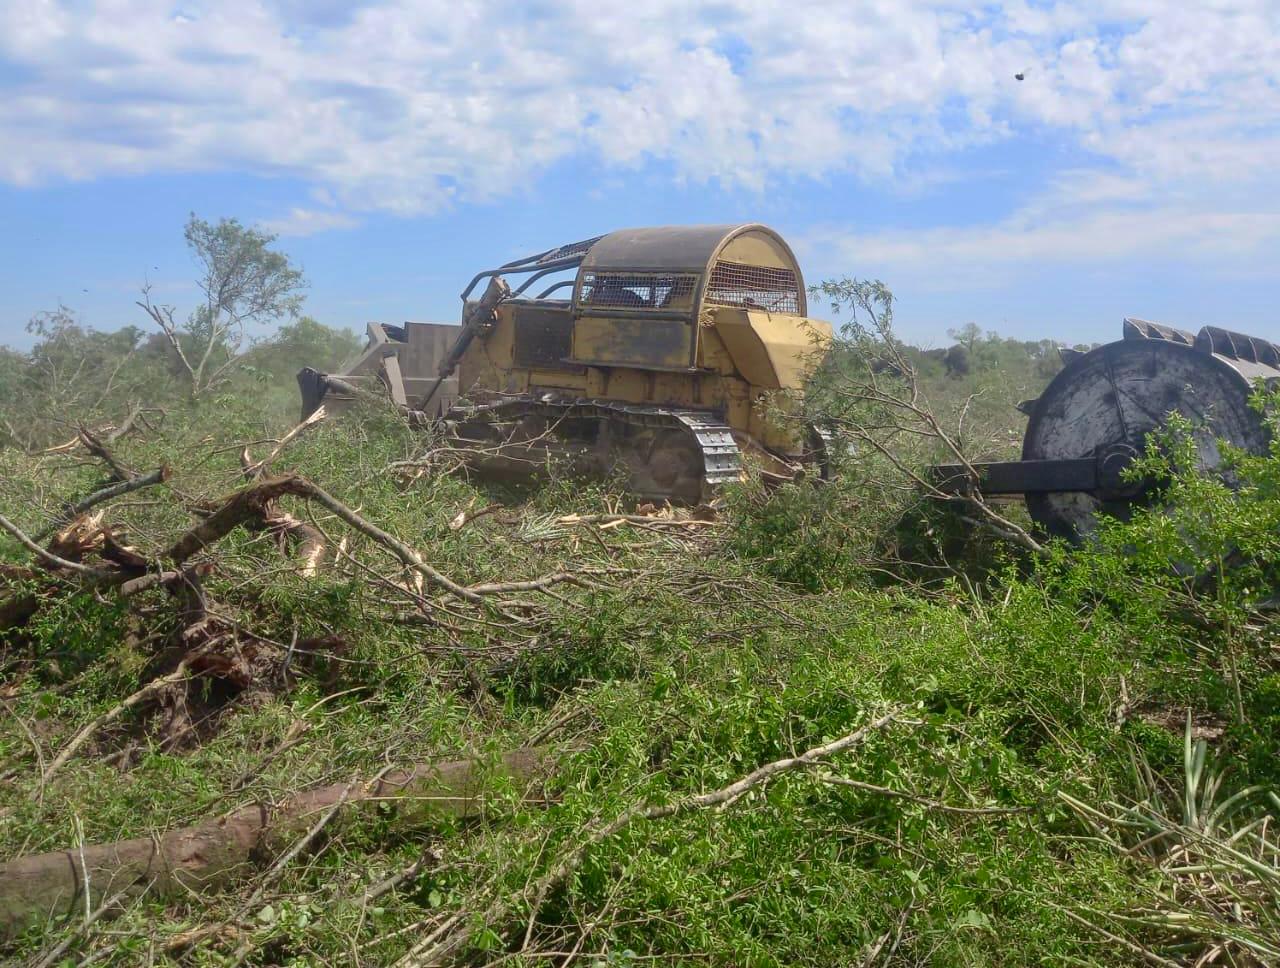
[1043, 736]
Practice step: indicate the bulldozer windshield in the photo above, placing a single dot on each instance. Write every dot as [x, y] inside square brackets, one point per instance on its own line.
[638, 290]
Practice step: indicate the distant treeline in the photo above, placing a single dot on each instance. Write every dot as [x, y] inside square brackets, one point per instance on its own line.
[75, 373]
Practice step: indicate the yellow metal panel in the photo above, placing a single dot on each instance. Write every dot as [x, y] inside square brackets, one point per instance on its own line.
[746, 347]
[636, 342]
[755, 248]
[794, 344]
[772, 350]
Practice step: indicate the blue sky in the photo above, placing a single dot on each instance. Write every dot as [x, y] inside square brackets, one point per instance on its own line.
[398, 146]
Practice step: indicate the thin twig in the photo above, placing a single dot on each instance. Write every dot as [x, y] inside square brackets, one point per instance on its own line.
[923, 801]
[152, 687]
[499, 911]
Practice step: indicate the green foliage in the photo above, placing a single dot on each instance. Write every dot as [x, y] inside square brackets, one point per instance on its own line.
[240, 275]
[74, 372]
[972, 387]
[1036, 784]
[795, 536]
[688, 673]
[304, 340]
[75, 375]
[1196, 570]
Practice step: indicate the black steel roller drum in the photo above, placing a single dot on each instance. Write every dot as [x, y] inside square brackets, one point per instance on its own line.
[1095, 416]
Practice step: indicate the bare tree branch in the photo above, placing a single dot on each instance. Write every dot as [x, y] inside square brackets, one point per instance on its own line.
[158, 476]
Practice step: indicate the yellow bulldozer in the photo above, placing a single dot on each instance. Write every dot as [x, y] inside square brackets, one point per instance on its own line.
[669, 362]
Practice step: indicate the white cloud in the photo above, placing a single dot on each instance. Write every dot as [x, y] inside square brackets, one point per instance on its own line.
[411, 105]
[1093, 238]
[1084, 221]
[308, 221]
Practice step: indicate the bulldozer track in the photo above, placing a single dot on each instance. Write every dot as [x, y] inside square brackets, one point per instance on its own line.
[721, 458]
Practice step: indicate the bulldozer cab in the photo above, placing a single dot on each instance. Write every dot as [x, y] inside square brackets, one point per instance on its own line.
[653, 285]
[640, 294]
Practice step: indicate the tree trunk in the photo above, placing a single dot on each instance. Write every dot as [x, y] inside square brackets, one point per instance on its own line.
[219, 852]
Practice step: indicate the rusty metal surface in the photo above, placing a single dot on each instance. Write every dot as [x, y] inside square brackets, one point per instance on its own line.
[478, 318]
[543, 337]
[676, 248]
[633, 342]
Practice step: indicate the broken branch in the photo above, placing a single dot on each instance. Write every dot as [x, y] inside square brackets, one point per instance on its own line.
[136, 483]
[242, 506]
[119, 471]
[401, 550]
[48, 557]
[434, 953]
[255, 470]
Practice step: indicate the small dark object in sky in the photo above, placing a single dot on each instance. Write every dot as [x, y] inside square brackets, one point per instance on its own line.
[1020, 76]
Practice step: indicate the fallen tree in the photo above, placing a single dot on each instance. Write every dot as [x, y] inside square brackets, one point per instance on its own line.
[221, 851]
[200, 641]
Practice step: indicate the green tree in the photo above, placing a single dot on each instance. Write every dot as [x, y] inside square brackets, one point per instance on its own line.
[969, 336]
[74, 373]
[244, 282]
[305, 342]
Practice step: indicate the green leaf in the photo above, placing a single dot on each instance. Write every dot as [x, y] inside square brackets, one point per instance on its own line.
[973, 918]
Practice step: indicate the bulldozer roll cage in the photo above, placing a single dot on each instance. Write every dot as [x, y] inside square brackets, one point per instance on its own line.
[658, 273]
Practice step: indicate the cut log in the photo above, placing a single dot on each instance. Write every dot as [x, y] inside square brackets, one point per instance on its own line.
[219, 852]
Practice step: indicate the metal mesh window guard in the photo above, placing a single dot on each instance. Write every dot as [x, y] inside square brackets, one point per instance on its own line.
[638, 290]
[734, 284]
